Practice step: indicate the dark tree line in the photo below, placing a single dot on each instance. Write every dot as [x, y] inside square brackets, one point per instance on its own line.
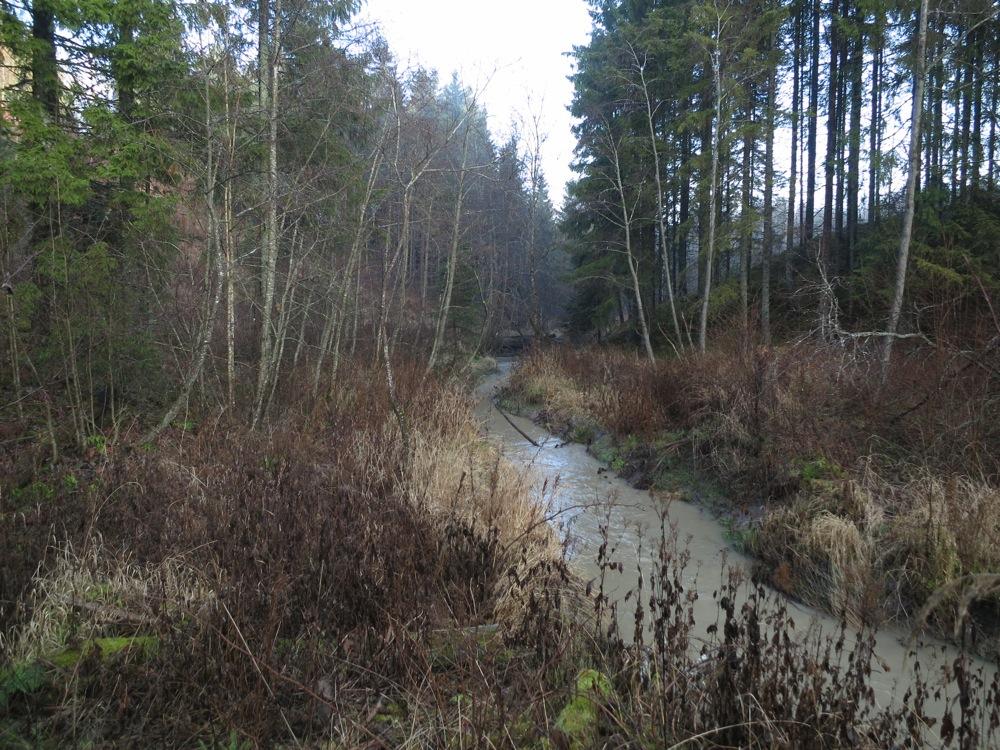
[767, 141]
[200, 200]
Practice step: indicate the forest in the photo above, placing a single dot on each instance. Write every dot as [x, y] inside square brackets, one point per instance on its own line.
[323, 424]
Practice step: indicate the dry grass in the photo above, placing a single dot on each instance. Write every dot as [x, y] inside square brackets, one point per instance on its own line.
[83, 594]
[870, 497]
[325, 583]
[286, 578]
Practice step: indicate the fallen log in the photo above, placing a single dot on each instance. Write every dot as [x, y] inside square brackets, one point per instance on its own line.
[511, 423]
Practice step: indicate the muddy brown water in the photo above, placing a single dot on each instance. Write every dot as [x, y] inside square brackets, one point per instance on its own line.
[587, 495]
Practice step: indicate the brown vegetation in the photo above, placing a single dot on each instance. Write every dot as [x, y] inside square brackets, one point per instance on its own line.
[866, 498]
[322, 582]
[279, 583]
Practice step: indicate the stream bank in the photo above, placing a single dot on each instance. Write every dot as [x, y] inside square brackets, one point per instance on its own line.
[597, 511]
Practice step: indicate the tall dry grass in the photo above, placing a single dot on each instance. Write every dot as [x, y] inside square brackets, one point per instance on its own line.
[272, 583]
[869, 497]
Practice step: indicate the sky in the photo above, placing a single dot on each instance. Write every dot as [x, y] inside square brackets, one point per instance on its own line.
[511, 49]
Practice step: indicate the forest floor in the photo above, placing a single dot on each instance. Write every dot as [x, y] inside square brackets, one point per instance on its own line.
[327, 583]
[873, 502]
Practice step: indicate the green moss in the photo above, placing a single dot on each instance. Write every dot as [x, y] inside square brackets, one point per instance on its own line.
[106, 648]
[668, 439]
[819, 469]
[941, 561]
[533, 393]
[392, 714]
[630, 444]
[523, 730]
[603, 449]
[579, 721]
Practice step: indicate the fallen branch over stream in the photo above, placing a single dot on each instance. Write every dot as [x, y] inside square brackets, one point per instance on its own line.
[511, 423]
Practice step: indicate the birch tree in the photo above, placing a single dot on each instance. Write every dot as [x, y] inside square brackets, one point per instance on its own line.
[654, 145]
[627, 206]
[903, 256]
[715, 143]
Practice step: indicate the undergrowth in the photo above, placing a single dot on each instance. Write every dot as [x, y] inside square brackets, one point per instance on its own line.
[285, 585]
[325, 584]
[857, 497]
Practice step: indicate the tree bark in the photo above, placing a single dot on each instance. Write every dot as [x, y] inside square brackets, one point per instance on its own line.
[874, 140]
[629, 257]
[765, 288]
[794, 155]
[270, 244]
[902, 260]
[44, 66]
[337, 311]
[746, 209]
[832, 140]
[664, 252]
[854, 141]
[712, 185]
[810, 215]
[456, 236]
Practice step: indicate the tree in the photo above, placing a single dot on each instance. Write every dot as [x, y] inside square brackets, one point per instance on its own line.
[626, 206]
[640, 66]
[903, 257]
[715, 141]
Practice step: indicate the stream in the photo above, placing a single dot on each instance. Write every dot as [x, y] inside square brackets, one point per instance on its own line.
[583, 486]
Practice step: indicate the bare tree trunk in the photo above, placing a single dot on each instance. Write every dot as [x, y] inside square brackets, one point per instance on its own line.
[286, 306]
[874, 144]
[300, 342]
[992, 142]
[45, 82]
[425, 259]
[535, 314]
[227, 241]
[15, 360]
[204, 339]
[832, 142]
[793, 171]
[627, 215]
[746, 222]
[854, 139]
[712, 185]
[270, 249]
[809, 219]
[664, 250]
[263, 51]
[227, 233]
[383, 338]
[902, 260]
[765, 287]
[456, 235]
[336, 315]
[977, 110]
[357, 312]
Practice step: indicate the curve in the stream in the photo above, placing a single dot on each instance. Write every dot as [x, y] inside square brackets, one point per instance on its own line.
[583, 489]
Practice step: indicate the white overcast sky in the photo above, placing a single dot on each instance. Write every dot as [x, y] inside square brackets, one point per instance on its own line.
[514, 48]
